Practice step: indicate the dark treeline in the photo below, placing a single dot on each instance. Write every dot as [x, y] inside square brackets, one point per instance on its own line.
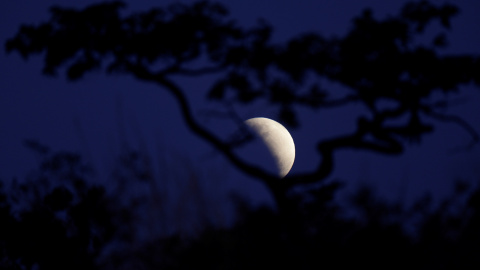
[58, 219]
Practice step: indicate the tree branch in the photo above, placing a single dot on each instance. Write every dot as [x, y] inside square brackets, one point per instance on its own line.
[457, 120]
[339, 102]
[200, 71]
[143, 74]
[176, 69]
[327, 149]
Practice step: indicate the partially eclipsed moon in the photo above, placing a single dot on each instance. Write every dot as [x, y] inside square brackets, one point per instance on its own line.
[278, 141]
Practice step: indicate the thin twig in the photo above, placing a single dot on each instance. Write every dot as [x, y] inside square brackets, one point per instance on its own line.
[457, 120]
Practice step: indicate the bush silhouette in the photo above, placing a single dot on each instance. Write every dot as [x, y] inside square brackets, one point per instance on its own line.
[56, 218]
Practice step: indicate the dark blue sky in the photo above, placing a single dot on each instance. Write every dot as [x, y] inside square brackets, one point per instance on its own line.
[94, 115]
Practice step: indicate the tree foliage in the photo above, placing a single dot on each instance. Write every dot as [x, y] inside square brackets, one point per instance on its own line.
[379, 61]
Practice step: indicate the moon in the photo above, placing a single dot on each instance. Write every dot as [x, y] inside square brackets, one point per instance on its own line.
[278, 141]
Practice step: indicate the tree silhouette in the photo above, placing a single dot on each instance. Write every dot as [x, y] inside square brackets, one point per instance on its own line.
[379, 61]
[57, 218]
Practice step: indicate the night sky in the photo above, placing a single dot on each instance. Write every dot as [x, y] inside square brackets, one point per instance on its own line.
[94, 115]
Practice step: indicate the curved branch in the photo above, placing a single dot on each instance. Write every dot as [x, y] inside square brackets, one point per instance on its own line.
[326, 149]
[329, 147]
[457, 120]
[143, 74]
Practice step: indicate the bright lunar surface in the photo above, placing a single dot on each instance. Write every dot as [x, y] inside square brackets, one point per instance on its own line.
[278, 141]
